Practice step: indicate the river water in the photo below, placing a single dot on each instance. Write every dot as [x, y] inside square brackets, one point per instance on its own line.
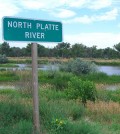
[109, 70]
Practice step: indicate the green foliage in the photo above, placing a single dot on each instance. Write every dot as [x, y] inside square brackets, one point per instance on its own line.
[52, 94]
[117, 47]
[8, 65]
[100, 77]
[108, 95]
[77, 111]
[58, 125]
[12, 112]
[64, 50]
[113, 63]
[84, 127]
[8, 76]
[3, 59]
[79, 67]
[84, 90]
[21, 127]
[60, 80]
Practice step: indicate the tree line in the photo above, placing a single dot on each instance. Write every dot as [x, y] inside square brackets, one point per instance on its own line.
[64, 50]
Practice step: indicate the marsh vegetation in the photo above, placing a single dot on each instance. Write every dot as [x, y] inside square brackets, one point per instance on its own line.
[69, 103]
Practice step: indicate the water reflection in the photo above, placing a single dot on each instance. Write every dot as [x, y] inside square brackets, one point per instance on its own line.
[110, 70]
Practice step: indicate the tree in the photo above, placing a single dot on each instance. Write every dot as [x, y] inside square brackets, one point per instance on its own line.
[15, 52]
[42, 51]
[79, 89]
[63, 49]
[78, 50]
[3, 59]
[5, 48]
[28, 49]
[117, 47]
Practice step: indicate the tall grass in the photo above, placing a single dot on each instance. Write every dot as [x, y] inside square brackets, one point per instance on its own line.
[15, 116]
[8, 76]
[101, 78]
[109, 95]
[58, 115]
[8, 65]
[75, 118]
[68, 112]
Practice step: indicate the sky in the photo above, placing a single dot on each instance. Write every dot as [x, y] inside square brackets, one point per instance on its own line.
[90, 22]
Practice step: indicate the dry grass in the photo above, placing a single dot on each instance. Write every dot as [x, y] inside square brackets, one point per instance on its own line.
[53, 59]
[4, 98]
[101, 60]
[105, 86]
[102, 107]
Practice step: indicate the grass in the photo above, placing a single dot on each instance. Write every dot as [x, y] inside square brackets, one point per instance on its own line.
[58, 114]
[109, 95]
[15, 116]
[8, 65]
[45, 60]
[6, 76]
[101, 77]
[99, 116]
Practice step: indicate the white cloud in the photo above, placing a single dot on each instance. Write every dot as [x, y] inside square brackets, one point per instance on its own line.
[98, 4]
[8, 8]
[83, 19]
[111, 15]
[52, 4]
[74, 3]
[107, 16]
[42, 4]
[33, 4]
[64, 13]
[101, 40]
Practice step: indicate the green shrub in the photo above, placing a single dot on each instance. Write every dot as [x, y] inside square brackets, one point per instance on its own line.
[3, 59]
[84, 127]
[11, 112]
[77, 111]
[22, 127]
[109, 95]
[60, 80]
[84, 90]
[78, 67]
[58, 125]
[8, 76]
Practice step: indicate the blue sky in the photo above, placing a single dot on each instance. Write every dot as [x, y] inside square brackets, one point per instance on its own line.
[91, 22]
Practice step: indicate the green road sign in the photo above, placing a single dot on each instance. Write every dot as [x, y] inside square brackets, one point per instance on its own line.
[18, 29]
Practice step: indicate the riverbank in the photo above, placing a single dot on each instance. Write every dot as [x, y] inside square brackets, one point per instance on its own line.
[59, 113]
[45, 60]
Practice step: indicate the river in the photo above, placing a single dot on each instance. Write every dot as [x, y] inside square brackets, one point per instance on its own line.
[109, 70]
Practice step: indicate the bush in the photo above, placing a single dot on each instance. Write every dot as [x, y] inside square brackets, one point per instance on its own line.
[79, 67]
[77, 111]
[60, 80]
[84, 90]
[3, 59]
[84, 127]
[11, 113]
[56, 78]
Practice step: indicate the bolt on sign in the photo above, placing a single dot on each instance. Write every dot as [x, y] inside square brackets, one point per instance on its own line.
[18, 29]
